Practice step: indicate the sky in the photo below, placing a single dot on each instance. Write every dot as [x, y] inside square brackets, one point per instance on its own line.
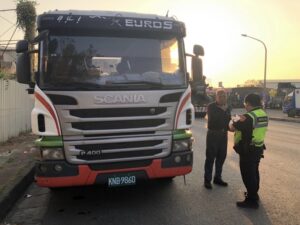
[217, 25]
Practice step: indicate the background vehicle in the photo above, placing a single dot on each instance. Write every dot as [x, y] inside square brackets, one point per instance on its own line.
[237, 95]
[277, 96]
[291, 104]
[112, 98]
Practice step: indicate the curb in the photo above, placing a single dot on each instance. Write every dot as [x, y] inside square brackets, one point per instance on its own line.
[284, 119]
[10, 198]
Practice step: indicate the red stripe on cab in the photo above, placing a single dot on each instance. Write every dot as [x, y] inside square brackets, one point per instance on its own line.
[186, 98]
[50, 110]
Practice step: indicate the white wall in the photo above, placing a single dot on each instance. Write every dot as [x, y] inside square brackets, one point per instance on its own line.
[15, 109]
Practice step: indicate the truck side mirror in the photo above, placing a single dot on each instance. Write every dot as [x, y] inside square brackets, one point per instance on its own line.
[22, 46]
[197, 70]
[198, 50]
[23, 68]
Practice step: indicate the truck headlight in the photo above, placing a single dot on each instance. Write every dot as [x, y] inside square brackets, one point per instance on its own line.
[52, 153]
[182, 145]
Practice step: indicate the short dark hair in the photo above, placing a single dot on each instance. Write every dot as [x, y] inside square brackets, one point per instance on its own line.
[253, 99]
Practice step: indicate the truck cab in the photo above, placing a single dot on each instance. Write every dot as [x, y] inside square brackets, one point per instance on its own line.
[112, 97]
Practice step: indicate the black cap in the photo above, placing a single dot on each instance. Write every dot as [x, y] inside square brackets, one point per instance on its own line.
[253, 99]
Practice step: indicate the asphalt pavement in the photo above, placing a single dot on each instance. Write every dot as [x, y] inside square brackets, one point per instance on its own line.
[16, 163]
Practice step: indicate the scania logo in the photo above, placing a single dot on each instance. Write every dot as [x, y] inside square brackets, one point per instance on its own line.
[119, 99]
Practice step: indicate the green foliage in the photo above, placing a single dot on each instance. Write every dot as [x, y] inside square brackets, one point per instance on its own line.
[26, 17]
[4, 75]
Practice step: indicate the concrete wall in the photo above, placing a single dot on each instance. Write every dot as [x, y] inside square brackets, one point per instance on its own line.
[15, 109]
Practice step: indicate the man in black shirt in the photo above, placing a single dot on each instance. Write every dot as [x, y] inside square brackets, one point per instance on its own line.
[218, 115]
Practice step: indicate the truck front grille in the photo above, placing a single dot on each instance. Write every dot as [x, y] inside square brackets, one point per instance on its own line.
[107, 125]
[124, 145]
[112, 112]
[115, 132]
[117, 150]
[120, 155]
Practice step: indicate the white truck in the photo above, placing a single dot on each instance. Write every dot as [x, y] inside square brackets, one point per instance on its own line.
[112, 98]
[291, 103]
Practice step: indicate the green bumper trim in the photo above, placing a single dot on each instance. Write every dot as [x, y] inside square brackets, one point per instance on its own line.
[182, 134]
[49, 141]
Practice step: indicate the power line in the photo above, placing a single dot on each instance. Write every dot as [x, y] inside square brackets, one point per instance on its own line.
[7, 30]
[6, 20]
[10, 40]
[11, 43]
[6, 10]
[8, 44]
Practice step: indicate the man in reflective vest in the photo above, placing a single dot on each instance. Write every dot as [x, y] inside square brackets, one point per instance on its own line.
[250, 130]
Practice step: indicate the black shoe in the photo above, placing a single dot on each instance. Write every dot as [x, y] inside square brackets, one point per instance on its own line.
[207, 185]
[246, 195]
[247, 203]
[220, 182]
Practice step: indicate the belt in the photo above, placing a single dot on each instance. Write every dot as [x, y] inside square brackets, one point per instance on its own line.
[219, 130]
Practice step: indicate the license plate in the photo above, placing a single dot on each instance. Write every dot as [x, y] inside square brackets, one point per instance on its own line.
[122, 180]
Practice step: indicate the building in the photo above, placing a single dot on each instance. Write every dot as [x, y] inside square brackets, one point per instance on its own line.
[8, 60]
[274, 83]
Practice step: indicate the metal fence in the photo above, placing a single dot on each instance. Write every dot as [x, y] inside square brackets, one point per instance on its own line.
[15, 109]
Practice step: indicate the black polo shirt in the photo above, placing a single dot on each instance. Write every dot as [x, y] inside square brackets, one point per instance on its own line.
[218, 118]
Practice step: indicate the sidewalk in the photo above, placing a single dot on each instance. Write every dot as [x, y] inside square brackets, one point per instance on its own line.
[16, 170]
[280, 116]
[274, 114]
[16, 163]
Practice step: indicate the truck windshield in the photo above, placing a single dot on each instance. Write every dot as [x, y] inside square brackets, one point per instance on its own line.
[92, 63]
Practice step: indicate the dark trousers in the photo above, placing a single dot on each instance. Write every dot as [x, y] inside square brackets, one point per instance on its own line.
[249, 164]
[216, 151]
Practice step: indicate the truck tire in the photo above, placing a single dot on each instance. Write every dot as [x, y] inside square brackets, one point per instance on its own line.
[292, 113]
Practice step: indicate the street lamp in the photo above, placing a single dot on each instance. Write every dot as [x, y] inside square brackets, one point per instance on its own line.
[265, 72]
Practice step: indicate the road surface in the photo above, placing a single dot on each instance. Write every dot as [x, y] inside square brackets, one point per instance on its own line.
[174, 203]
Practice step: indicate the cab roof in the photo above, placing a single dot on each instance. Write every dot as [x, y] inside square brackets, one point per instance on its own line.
[108, 22]
[109, 14]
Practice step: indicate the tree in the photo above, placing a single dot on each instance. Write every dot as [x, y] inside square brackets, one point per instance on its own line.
[26, 16]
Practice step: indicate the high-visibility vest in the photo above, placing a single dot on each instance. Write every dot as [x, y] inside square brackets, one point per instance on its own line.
[260, 124]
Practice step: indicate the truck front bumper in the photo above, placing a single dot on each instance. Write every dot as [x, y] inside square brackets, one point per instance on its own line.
[63, 174]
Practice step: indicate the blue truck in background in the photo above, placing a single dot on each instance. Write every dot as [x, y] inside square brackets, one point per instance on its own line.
[291, 103]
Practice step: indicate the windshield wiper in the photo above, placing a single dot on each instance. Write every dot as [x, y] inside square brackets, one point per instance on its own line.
[74, 86]
[142, 82]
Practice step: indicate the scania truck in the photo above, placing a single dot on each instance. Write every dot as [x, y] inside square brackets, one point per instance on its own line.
[112, 100]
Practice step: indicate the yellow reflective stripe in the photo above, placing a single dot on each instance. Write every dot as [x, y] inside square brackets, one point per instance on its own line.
[256, 122]
[253, 116]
